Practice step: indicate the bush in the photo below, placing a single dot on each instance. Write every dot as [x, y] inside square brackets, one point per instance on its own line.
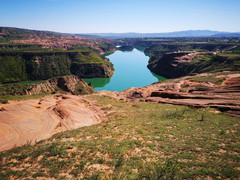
[3, 101]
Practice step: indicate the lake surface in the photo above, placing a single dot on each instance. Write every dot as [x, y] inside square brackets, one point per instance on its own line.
[130, 71]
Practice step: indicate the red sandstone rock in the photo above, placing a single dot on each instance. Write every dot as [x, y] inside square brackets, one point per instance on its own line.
[225, 97]
[34, 120]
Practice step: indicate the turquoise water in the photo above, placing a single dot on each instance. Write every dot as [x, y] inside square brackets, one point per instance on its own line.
[130, 71]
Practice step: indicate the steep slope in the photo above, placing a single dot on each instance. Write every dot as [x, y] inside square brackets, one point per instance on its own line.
[39, 65]
[67, 84]
[177, 64]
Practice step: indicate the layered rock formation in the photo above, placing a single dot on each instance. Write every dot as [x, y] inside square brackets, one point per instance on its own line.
[40, 65]
[70, 84]
[178, 64]
[93, 70]
[166, 65]
[187, 91]
[33, 120]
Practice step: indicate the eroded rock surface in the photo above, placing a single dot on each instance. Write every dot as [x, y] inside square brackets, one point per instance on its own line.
[33, 120]
[224, 97]
[70, 84]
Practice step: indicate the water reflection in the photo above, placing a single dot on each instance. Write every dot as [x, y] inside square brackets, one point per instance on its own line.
[98, 82]
[130, 71]
[160, 78]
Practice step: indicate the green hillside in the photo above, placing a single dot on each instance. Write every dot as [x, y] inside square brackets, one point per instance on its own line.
[39, 65]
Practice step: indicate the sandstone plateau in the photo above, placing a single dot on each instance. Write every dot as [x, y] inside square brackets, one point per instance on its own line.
[185, 91]
[30, 121]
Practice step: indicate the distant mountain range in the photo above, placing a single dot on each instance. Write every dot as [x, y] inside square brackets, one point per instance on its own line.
[19, 32]
[189, 33]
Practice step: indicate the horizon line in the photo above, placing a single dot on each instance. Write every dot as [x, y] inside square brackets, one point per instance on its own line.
[119, 32]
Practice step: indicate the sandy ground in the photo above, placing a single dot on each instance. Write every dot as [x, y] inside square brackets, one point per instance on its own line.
[30, 121]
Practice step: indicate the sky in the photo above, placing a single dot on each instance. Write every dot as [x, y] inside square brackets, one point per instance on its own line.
[119, 16]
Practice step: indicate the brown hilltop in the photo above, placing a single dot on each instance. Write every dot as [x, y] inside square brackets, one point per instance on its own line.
[63, 42]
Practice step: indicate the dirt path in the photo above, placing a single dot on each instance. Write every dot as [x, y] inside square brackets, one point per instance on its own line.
[33, 120]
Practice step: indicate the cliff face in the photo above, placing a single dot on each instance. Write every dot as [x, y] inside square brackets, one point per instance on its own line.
[167, 64]
[174, 65]
[71, 84]
[92, 70]
[23, 66]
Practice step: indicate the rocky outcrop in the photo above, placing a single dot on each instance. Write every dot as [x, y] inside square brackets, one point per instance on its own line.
[178, 64]
[93, 70]
[167, 64]
[33, 120]
[70, 84]
[224, 97]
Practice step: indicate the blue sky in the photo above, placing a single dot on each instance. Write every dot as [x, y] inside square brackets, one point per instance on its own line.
[145, 16]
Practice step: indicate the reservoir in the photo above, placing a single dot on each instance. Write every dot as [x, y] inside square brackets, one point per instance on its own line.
[130, 71]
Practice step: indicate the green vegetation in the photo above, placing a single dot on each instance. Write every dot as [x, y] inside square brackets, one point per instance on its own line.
[106, 46]
[17, 33]
[138, 141]
[22, 97]
[208, 77]
[162, 65]
[50, 86]
[125, 48]
[41, 65]
[211, 63]
[3, 101]
[17, 46]
[14, 89]
[202, 42]
[162, 48]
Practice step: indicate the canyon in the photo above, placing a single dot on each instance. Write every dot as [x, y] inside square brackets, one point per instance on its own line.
[55, 125]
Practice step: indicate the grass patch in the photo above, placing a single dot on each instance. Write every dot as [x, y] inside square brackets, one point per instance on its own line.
[211, 78]
[23, 97]
[138, 141]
